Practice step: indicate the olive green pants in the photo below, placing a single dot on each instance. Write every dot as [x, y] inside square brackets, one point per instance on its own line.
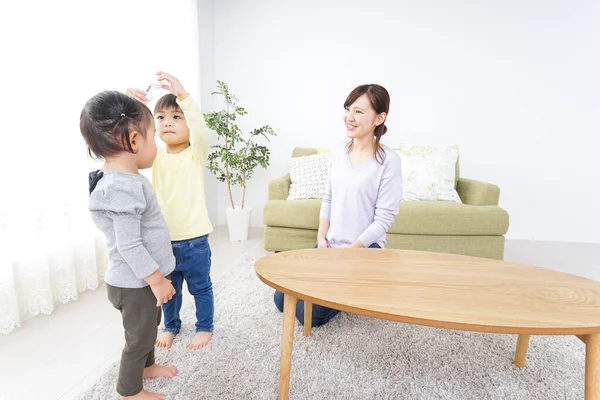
[141, 318]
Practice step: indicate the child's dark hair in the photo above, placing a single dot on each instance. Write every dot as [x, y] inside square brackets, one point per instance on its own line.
[167, 102]
[107, 120]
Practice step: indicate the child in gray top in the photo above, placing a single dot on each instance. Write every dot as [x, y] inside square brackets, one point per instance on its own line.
[120, 130]
[125, 208]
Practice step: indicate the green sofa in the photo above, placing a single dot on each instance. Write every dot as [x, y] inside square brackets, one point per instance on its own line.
[474, 228]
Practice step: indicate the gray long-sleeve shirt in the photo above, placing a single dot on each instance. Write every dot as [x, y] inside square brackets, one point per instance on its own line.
[124, 207]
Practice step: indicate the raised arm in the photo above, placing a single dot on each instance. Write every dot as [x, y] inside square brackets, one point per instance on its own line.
[199, 132]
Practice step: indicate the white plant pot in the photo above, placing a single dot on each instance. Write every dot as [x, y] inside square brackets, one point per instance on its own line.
[238, 220]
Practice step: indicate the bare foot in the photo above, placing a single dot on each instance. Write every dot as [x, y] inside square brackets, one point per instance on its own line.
[143, 395]
[200, 340]
[165, 371]
[165, 340]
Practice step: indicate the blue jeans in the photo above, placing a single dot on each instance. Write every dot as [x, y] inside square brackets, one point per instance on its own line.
[193, 264]
[320, 315]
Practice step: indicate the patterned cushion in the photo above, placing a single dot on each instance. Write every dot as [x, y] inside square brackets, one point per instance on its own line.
[429, 173]
[308, 176]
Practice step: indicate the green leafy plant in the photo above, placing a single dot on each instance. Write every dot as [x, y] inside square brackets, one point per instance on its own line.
[234, 159]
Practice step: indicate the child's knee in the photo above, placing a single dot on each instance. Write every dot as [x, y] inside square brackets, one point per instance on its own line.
[199, 289]
[140, 342]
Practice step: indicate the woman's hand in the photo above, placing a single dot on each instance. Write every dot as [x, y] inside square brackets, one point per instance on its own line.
[357, 245]
[137, 94]
[174, 85]
[322, 243]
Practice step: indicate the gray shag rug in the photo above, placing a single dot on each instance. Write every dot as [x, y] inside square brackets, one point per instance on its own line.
[352, 357]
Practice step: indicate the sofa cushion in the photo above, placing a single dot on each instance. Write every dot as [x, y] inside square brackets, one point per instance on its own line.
[429, 173]
[303, 214]
[308, 176]
[414, 218]
[449, 218]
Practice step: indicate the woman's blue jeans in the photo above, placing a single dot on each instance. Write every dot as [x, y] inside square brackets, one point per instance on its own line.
[320, 314]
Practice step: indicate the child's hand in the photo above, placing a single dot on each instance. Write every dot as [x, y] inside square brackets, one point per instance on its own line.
[174, 85]
[137, 94]
[163, 291]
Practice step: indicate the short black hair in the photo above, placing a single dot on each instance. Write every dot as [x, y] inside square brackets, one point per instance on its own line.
[106, 121]
[167, 102]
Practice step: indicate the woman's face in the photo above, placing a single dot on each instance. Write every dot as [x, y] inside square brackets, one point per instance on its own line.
[361, 119]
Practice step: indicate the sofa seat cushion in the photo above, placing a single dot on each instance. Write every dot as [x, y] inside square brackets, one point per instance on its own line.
[414, 218]
[449, 218]
[302, 214]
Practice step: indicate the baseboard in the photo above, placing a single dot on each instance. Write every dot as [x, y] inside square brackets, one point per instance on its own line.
[581, 259]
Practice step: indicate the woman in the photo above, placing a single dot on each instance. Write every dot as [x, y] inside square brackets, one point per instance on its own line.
[365, 186]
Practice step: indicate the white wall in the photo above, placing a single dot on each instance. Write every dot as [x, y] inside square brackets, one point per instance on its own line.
[515, 84]
[206, 28]
[56, 55]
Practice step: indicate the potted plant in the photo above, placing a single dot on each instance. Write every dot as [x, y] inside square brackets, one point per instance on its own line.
[234, 159]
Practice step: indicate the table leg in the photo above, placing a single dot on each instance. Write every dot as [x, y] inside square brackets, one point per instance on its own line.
[287, 339]
[592, 367]
[521, 353]
[307, 318]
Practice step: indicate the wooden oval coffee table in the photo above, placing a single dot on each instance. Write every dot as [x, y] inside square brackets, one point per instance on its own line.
[439, 290]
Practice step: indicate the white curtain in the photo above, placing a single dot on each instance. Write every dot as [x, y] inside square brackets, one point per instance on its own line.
[50, 254]
[50, 251]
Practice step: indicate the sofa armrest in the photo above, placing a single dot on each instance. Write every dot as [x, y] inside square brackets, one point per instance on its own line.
[477, 193]
[279, 188]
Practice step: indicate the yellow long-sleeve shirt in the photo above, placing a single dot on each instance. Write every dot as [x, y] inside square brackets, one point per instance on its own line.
[178, 179]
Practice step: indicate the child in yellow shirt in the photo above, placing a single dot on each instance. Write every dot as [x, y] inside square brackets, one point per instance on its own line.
[178, 179]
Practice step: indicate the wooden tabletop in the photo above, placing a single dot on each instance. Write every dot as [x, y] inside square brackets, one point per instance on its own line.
[436, 289]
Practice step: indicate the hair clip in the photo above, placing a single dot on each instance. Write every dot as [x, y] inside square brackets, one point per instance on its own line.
[152, 87]
[123, 115]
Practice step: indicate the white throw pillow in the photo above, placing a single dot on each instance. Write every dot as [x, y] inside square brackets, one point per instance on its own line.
[429, 173]
[309, 176]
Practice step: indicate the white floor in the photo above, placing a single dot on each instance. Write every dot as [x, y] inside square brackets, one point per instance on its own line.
[57, 356]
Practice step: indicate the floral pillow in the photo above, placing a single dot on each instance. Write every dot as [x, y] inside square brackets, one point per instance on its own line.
[429, 173]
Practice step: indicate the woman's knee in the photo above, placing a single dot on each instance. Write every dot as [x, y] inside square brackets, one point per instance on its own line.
[323, 315]
[300, 312]
[278, 299]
